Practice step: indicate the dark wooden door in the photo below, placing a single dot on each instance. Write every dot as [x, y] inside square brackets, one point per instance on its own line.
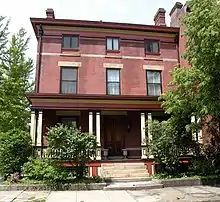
[114, 134]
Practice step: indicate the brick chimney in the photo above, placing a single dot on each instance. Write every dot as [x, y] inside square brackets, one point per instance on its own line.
[50, 13]
[159, 18]
[176, 14]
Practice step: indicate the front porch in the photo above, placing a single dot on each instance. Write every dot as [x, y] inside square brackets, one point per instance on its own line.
[119, 134]
[118, 122]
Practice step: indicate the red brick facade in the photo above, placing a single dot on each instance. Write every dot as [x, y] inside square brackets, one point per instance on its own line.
[91, 59]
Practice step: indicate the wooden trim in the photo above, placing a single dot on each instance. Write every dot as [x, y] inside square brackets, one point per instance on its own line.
[88, 97]
[115, 82]
[160, 80]
[98, 24]
[70, 35]
[151, 53]
[74, 80]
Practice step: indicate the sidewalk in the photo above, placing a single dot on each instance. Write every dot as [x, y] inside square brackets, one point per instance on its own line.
[175, 194]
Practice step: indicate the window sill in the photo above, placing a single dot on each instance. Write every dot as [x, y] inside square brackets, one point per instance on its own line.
[112, 51]
[112, 95]
[151, 53]
[70, 49]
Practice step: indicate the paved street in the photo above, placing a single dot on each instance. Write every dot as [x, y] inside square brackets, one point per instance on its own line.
[180, 194]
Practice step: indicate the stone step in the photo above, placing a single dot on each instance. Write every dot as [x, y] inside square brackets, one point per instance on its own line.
[122, 175]
[124, 167]
[134, 186]
[132, 179]
[124, 170]
[122, 164]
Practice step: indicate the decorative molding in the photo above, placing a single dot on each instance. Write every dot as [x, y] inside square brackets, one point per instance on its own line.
[110, 56]
[153, 67]
[69, 64]
[68, 113]
[107, 30]
[113, 65]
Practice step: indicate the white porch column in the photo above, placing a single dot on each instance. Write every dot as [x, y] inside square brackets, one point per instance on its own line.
[91, 122]
[193, 120]
[39, 134]
[39, 128]
[143, 137]
[200, 138]
[98, 136]
[149, 118]
[33, 127]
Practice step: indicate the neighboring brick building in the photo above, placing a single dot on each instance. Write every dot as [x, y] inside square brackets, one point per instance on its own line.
[106, 77]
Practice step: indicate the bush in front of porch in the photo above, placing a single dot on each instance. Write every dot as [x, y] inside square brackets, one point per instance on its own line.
[69, 144]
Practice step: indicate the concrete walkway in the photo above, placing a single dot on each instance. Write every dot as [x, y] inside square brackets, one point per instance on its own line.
[177, 194]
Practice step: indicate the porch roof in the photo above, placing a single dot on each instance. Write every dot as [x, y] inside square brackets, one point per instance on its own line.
[96, 102]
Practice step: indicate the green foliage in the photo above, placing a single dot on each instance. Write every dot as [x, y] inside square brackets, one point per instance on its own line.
[43, 170]
[3, 36]
[69, 143]
[15, 71]
[195, 91]
[170, 141]
[15, 148]
[198, 167]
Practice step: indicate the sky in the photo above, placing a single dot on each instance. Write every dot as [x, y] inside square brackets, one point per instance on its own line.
[127, 11]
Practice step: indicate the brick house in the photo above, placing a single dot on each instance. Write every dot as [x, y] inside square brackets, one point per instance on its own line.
[105, 77]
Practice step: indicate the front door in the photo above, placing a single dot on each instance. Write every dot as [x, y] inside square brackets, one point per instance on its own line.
[114, 134]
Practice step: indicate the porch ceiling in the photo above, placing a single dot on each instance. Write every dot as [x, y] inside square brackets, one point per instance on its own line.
[83, 102]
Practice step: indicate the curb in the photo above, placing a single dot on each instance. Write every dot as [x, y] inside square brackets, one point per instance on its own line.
[44, 187]
[188, 182]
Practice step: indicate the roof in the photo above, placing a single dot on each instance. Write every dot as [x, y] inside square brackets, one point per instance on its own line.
[101, 24]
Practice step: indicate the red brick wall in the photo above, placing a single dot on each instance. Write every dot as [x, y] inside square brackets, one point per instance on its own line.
[92, 75]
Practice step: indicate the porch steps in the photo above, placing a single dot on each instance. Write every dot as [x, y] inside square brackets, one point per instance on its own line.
[125, 172]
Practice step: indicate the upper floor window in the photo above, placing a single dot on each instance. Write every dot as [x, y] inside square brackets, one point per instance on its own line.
[152, 46]
[68, 80]
[71, 42]
[113, 82]
[112, 44]
[154, 83]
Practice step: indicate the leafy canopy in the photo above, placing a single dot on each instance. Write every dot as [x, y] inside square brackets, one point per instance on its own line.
[15, 71]
[195, 90]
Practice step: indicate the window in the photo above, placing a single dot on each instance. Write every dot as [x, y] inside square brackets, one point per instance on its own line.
[69, 80]
[69, 121]
[154, 83]
[152, 46]
[71, 42]
[112, 44]
[113, 81]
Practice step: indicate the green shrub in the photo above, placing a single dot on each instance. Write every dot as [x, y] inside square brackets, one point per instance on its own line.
[15, 148]
[70, 144]
[202, 168]
[43, 170]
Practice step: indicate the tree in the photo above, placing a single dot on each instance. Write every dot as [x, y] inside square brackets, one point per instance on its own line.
[15, 70]
[3, 36]
[15, 148]
[67, 143]
[197, 89]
